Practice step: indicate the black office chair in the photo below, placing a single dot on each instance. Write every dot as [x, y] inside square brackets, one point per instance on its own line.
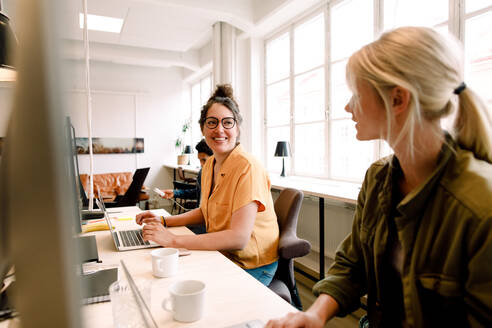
[131, 196]
[185, 203]
[287, 208]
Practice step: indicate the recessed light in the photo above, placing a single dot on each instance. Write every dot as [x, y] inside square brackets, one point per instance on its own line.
[101, 23]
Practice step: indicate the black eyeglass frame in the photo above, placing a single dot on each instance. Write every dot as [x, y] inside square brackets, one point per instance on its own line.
[216, 121]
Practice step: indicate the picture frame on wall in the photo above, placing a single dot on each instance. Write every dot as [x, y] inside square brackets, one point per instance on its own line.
[110, 145]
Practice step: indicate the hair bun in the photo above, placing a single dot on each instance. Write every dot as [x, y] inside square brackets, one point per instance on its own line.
[223, 90]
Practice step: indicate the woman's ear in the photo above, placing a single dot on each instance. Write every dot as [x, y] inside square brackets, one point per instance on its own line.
[400, 99]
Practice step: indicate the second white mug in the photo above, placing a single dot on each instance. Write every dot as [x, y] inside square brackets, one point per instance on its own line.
[187, 300]
[165, 262]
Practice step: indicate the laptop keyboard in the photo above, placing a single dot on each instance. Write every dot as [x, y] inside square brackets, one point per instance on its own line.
[132, 238]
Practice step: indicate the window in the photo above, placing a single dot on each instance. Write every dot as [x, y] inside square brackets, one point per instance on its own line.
[200, 92]
[478, 47]
[349, 158]
[305, 84]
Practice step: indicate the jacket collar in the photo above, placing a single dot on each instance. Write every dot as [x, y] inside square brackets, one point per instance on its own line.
[415, 201]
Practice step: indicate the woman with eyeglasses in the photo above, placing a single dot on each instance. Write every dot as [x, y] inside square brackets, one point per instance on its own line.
[236, 204]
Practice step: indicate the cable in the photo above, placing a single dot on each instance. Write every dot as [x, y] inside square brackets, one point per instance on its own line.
[181, 206]
[89, 107]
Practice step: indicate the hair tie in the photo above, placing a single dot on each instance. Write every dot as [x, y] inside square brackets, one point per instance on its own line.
[460, 88]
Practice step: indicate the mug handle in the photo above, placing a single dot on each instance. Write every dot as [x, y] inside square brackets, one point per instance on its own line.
[167, 301]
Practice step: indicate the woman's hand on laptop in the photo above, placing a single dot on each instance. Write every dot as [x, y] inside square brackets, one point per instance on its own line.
[156, 232]
[147, 217]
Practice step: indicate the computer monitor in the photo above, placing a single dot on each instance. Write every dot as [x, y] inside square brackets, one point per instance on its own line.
[73, 173]
[37, 196]
[5, 260]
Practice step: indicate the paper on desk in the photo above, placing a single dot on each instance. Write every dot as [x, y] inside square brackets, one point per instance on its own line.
[95, 226]
[124, 219]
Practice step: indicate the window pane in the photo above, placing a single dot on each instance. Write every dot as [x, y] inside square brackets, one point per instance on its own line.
[196, 104]
[278, 58]
[340, 93]
[415, 12]
[278, 103]
[310, 150]
[274, 164]
[473, 5]
[205, 89]
[310, 96]
[309, 44]
[350, 158]
[346, 36]
[478, 54]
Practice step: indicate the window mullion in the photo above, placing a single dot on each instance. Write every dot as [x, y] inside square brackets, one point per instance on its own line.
[326, 13]
[378, 17]
[292, 101]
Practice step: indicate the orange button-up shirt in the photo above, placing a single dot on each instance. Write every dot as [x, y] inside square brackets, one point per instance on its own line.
[240, 181]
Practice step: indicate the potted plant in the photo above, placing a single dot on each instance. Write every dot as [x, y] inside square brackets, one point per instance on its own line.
[182, 157]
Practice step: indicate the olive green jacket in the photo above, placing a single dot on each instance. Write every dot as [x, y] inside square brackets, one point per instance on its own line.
[444, 227]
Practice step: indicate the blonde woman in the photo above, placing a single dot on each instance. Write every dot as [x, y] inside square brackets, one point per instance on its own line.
[421, 242]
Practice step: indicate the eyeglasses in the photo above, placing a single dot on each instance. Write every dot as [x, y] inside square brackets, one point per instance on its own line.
[213, 122]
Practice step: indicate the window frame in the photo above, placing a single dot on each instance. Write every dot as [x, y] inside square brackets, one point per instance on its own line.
[194, 120]
[456, 21]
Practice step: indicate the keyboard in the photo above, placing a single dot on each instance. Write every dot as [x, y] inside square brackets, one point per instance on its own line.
[249, 324]
[132, 238]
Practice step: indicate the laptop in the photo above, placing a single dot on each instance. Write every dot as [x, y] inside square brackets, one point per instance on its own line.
[125, 240]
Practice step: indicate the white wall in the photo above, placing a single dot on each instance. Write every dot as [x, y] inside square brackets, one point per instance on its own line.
[130, 101]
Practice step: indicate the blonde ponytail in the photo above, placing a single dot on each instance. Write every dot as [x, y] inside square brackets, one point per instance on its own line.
[473, 125]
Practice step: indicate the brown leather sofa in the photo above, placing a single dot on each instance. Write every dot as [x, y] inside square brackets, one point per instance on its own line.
[110, 185]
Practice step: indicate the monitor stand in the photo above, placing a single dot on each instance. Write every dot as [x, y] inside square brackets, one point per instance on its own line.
[7, 311]
[88, 249]
[90, 215]
[95, 285]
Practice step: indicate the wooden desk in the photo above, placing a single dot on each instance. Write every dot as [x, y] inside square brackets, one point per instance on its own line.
[232, 295]
[334, 190]
[186, 168]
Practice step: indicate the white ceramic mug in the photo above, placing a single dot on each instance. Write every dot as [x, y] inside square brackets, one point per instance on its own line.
[165, 262]
[187, 300]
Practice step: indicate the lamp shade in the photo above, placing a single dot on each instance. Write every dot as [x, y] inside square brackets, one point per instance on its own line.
[283, 149]
[188, 150]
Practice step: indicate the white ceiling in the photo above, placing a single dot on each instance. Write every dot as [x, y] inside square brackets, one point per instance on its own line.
[167, 33]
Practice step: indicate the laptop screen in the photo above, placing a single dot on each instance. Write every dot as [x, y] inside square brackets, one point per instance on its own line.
[100, 204]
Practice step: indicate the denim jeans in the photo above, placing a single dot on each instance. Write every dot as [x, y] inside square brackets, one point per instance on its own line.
[264, 274]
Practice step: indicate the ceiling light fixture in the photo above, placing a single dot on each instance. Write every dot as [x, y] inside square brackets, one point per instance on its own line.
[101, 23]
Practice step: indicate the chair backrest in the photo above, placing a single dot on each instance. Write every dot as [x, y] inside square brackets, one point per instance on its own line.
[287, 207]
[130, 198]
[181, 174]
[183, 185]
